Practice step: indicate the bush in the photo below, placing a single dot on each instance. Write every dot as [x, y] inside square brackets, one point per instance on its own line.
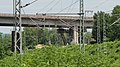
[68, 56]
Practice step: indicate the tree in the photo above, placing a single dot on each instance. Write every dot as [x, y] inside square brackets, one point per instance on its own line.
[104, 20]
[0, 37]
[5, 45]
[30, 37]
[34, 36]
[113, 31]
[88, 37]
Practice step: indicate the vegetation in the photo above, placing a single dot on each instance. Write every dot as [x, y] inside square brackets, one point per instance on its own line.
[105, 19]
[88, 37]
[114, 29]
[100, 55]
[33, 36]
[5, 45]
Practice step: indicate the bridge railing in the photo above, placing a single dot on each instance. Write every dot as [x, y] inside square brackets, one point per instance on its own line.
[47, 17]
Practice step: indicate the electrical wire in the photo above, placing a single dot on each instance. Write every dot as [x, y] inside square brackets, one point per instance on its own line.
[99, 4]
[59, 18]
[68, 6]
[71, 8]
[63, 8]
[61, 4]
[46, 6]
[66, 24]
[115, 22]
[40, 25]
[53, 6]
[29, 3]
[31, 19]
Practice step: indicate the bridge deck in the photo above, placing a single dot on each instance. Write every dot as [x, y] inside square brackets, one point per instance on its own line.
[47, 17]
[61, 21]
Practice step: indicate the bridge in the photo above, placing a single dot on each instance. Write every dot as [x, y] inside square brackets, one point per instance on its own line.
[29, 20]
[38, 20]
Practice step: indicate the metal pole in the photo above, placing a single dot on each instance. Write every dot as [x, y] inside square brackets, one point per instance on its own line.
[18, 23]
[44, 31]
[56, 35]
[87, 12]
[81, 23]
[44, 35]
[14, 28]
[104, 28]
[49, 41]
[14, 13]
[25, 41]
[98, 29]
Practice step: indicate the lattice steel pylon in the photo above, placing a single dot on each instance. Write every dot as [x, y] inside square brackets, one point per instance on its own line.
[98, 29]
[17, 26]
[82, 24]
[104, 28]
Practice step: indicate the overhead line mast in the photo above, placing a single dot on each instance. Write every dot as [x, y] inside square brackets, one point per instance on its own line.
[82, 24]
[17, 33]
[17, 26]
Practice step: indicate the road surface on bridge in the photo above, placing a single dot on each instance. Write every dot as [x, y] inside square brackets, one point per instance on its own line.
[29, 20]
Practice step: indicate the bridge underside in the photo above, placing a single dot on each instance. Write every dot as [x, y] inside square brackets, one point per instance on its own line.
[57, 23]
[28, 25]
[44, 23]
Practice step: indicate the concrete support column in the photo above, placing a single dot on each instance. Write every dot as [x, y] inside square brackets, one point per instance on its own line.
[75, 34]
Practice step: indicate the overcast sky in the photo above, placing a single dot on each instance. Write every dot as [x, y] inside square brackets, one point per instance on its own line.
[46, 6]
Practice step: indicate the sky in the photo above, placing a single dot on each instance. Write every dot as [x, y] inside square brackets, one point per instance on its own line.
[56, 6]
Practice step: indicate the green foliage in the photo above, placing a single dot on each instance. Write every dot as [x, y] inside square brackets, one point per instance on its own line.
[97, 55]
[2, 51]
[30, 37]
[34, 36]
[5, 45]
[88, 37]
[104, 20]
[112, 31]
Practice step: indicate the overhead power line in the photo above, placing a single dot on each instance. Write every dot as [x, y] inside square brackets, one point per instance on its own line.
[63, 8]
[53, 6]
[69, 6]
[101, 3]
[46, 6]
[115, 22]
[31, 19]
[29, 4]
[53, 14]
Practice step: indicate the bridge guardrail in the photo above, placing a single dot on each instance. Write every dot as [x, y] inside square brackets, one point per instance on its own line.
[47, 17]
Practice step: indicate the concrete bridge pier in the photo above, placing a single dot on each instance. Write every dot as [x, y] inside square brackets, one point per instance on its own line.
[62, 31]
[72, 34]
[75, 35]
